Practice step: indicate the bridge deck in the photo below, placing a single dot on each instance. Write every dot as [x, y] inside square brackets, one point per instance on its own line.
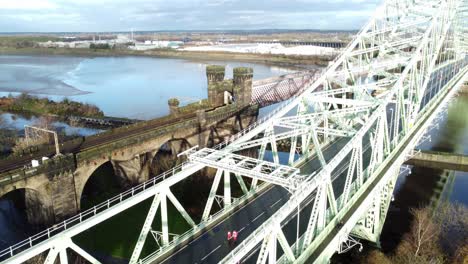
[121, 134]
[440, 160]
[212, 246]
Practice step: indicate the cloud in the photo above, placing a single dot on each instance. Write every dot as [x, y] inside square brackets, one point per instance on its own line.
[121, 15]
[26, 4]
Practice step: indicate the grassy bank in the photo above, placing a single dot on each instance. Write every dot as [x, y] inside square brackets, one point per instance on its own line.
[45, 106]
[280, 60]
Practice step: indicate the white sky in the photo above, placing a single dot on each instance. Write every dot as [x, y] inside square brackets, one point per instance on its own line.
[122, 15]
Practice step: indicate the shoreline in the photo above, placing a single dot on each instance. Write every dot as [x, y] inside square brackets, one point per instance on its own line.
[293, 61]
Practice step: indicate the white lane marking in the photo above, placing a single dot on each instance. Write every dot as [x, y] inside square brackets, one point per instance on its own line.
[241, 229]
[240, 209]
[271, 206]
[268, 188]
[257, 216]
[210, 253]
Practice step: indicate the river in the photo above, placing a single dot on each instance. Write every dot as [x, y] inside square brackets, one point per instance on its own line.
[132, 87]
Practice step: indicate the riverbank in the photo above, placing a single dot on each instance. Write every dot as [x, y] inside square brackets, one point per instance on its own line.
[268, 59]
[44, 106]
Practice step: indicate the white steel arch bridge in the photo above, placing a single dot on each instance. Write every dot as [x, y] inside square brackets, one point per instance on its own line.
[349, 133]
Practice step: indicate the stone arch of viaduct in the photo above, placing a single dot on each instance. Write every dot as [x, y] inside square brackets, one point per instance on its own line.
[61, 192]
[131, 164]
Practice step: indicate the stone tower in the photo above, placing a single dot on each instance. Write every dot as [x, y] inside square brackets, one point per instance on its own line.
[243, 85]
[215, 76]
[240, 87]
[173, 106]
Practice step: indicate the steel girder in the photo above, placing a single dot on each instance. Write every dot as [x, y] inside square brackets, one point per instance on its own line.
[269, 92]
[381, 191]
[412, 75]
[270, 172]
[160, 199]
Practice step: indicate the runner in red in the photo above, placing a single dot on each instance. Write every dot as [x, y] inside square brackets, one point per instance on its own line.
[234, 236]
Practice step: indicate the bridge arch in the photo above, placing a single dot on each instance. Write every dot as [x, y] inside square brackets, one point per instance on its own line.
[27, 206]
[166, 158]
[99, 185]
[82, 175]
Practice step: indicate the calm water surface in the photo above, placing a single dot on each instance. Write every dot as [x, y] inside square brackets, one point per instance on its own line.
[133, 87]
[451, 135]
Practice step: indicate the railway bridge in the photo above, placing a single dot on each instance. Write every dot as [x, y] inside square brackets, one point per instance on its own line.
[52, 191]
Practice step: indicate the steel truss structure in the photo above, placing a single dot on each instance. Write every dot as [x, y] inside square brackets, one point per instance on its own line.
[278, 89]
[379, 97]
[402, 45]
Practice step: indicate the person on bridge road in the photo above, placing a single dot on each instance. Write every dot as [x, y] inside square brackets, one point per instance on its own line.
[230, 239]
[234, 236]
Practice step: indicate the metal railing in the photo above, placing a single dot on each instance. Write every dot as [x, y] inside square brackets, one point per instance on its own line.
[213, 218]
[285, 103]
[87, 214]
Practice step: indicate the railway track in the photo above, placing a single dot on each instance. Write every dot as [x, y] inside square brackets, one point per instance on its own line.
[83, 144]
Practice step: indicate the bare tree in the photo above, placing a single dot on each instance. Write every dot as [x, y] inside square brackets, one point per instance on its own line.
[375, 257]
[461, 255]
[420, 244]
[453, 222]
[439, 236]
[424, 232]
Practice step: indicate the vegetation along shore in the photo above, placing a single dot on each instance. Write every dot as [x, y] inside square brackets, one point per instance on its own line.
[44, 106]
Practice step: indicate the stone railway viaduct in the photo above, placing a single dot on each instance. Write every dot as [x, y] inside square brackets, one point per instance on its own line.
[53, 191]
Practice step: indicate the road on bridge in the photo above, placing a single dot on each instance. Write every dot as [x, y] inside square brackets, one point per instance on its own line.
[212, 246]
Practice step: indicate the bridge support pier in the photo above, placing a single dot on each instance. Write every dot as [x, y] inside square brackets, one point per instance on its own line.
[63, 196]
[134, 171]
[46, 199]
[39, 210]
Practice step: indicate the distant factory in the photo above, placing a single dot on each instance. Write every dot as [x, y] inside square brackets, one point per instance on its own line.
[156, 44]
[121, 41]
